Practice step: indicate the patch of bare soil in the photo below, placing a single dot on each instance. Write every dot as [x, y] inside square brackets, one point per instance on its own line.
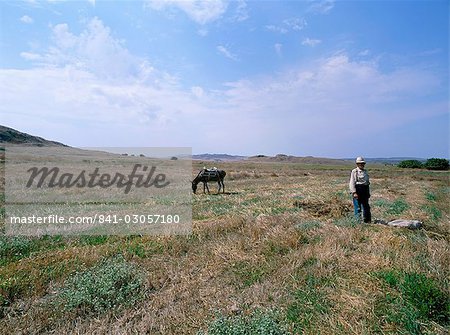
[329, 208]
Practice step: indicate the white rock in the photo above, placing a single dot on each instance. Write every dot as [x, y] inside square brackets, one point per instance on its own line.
[411, 224]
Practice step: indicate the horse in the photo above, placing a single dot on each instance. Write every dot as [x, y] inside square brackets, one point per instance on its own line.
[206, 175]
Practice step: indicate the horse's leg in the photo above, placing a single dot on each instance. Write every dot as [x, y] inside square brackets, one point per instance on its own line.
[220, 186]
[223, 187]
[206, 184]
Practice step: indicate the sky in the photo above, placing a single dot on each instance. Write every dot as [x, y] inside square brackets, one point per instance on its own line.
[306, 78]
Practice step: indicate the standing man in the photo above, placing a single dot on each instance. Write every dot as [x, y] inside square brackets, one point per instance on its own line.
[359, 188]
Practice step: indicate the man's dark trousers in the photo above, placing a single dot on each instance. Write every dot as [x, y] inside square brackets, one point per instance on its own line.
[363, 201]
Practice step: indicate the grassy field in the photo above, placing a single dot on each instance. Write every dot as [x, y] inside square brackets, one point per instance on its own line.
[278, 253]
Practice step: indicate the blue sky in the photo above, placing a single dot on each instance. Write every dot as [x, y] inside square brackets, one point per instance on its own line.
[319, 78]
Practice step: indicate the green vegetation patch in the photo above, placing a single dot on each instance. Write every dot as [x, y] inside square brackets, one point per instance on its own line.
[308, 225]
[430, 196]
[347, 221]
[437, 202]
[413, 300]
[93, 239]
[257, 323]
[309, 306]
[396, 207]
[432, 210]
[13, 287]
[144, 249]
[411, 164]
[437, 164]
[248, 273]
[275, 248]
[110, 284]
[14, 248]
[430, 164]
[20, 280]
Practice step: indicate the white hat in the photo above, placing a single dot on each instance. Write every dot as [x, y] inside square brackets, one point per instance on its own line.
[360, 160]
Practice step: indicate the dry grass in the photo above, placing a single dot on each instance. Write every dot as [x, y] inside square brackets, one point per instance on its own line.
[280, 240]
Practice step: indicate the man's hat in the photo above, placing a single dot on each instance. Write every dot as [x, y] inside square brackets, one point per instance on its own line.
[360, 160]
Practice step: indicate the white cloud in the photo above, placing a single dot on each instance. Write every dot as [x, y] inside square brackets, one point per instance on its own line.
[30, 56]
[331, 96]
[295, 23]
[26, 19]
[224, 51]
[88, 89]
[290, 24]
[364, 53]
[94, 111]
[197, 91]
[241, 11]
[277, 29]
[311, 42]
[94, 50]
[321, 6]
[200, 11]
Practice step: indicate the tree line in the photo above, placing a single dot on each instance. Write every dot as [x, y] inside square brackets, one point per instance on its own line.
[430, 164]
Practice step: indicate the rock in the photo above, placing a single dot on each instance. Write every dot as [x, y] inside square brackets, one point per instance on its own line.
[410, 224]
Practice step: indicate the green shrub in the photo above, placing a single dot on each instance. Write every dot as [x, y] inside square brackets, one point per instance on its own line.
[410, 164]
[105, 287]
[437, 164]
[257, 323]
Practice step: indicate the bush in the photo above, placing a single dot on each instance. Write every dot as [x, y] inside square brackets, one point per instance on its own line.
[106, 286]
[410, 164]
[437, 164]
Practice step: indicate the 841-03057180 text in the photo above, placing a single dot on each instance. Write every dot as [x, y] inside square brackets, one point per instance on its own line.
[99, 218]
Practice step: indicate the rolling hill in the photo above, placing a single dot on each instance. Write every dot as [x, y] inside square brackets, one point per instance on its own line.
[12, 136]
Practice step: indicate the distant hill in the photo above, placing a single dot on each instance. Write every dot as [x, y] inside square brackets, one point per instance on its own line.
[218, 157]
[277, 158]
[300, 160]
[12, 136]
